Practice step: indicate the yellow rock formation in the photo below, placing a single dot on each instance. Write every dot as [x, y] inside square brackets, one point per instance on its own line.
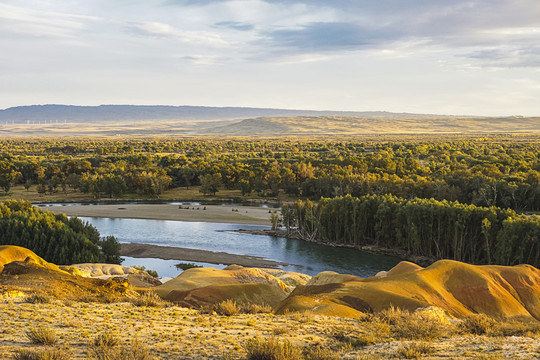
[457, 288]
[10, 253]
[199, 286]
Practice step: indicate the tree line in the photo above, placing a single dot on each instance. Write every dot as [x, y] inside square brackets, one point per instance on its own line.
[493, 171]
[55, 237]
[425, 227]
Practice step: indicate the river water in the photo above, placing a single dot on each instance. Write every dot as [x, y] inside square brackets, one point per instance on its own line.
[302, 256]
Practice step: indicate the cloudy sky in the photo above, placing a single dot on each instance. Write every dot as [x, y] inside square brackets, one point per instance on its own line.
[425, 56]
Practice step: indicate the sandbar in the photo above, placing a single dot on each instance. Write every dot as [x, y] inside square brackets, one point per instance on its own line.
[196, 213]
[176, 253]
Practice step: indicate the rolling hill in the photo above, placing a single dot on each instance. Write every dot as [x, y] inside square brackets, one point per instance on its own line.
[131, 120]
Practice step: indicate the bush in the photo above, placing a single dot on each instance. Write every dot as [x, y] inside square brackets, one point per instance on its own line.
[36, 298]
[227, 308]
[136, 351]
[271, 349]
[43, 354]
[414, 350]
[105, 340]
[255, 309]
[319, 353]
[41, 335]
[148, 298]
[477, 324]
[412, 326]
[518, 328]
[152, 273]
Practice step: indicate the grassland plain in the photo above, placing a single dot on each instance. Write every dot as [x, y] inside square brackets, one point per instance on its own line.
[283, 126]
[172, 332]
[81, 318]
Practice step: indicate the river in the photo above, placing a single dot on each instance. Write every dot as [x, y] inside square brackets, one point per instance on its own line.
[302, 256]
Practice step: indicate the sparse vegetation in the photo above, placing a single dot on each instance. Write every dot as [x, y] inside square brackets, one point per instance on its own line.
[37, 298]
[106, 339]
[228, 308]
[319, 353]
[415, 350]
[148, 298]
[41, 335]
[41, 354]
[150, 272]
[172, 331]
[477, 324]
[271, 349]
[135, 351]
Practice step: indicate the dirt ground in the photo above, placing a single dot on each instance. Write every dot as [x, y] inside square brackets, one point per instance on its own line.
[198, 213]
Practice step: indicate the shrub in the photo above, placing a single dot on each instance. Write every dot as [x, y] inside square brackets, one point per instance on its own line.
[477, 324]
[106, 340]
[37, 298]
[414, 350]
[271, 349]
[319, 353]
[42, 335]
[152, 273]
[255, 309]
[148, 298]
[43, 354]
[136, 351]
[412, 326]
[518, 328]
[185, 266]
[227, 308]
[280, 330]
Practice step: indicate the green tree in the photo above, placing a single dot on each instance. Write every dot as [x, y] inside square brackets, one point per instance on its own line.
[210, 184]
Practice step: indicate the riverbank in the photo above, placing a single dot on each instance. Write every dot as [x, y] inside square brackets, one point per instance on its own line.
[184, 254]
[249, 215]
[373, 249]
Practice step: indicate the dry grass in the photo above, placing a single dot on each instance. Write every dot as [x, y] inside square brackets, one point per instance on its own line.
[106, 339]
[98, 331]
[477, 324]
[271, 349]
[109, 351]
[41, 354]
[37, 298]
[41, 335]
[148, 298]
[415, 350]
[227, 308]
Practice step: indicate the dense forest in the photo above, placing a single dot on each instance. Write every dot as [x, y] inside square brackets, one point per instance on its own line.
[492, 171]
[425, 227]
[54, 237]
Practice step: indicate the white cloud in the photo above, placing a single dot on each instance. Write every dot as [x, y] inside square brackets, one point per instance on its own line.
[416, 56]
[30, 21]
[190, 37]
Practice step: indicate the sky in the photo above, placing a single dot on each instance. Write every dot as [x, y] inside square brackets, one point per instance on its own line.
[455, 57]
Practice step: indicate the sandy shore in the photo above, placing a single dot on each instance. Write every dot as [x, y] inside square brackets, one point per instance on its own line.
[213, 213]
[183, 254]
[203, 213]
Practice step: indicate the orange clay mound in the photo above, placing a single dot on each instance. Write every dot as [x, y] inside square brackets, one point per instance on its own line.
[458, 288]
[10, 253]
[403, 267]
[199, 286]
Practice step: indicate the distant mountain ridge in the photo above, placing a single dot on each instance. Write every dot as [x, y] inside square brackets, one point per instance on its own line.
[84, 114]
[162, 120]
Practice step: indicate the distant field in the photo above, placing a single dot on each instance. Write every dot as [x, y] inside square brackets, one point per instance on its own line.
[284, 126]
